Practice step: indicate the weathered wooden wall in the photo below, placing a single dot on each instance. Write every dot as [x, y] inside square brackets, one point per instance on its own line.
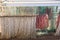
[21, 27]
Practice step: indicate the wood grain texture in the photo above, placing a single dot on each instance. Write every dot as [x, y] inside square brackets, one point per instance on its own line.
[20, 27]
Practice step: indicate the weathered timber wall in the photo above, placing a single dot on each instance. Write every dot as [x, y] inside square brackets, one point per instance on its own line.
[21, 27]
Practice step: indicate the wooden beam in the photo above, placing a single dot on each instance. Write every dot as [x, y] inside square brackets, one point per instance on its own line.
[27, 15]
